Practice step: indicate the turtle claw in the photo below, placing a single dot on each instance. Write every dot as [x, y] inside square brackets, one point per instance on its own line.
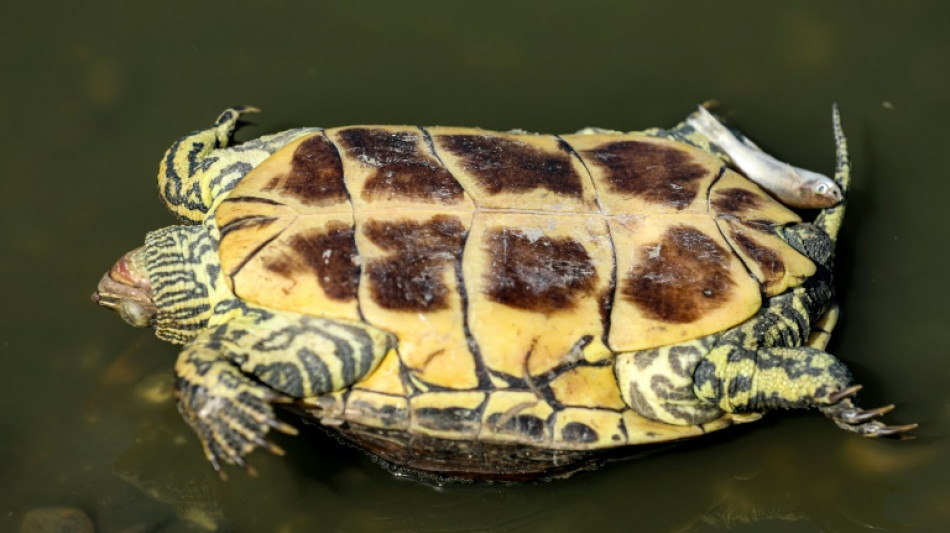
[836, 397]
[857, 415]
[229, 117]
[898, 432]
[232, 421]
[849, 417]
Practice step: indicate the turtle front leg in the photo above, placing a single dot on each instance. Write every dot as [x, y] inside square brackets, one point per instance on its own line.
[741, 380]
[185, 174]
[228, 411]
[229, 376]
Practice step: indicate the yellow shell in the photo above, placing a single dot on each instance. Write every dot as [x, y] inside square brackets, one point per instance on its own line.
[501, 259]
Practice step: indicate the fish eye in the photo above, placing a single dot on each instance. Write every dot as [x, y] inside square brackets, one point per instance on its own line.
[822, 188]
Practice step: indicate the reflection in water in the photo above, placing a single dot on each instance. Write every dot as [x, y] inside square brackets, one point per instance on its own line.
[322, 484]
[190, 490]
[780, 490]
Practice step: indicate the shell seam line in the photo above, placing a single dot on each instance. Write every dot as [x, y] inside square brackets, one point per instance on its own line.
[352, 213]
[431, 144]
[253, 254]
[716, 219]
[481, 372]
[612, 289]
[244, 222]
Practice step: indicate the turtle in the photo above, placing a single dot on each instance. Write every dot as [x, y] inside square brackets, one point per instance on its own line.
[472, 304]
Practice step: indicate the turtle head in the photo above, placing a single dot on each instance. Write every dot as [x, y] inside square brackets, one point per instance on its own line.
[172, 283]
[125, 289]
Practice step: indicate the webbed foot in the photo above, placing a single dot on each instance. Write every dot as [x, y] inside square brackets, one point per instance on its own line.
[230, 413]
[850, 417]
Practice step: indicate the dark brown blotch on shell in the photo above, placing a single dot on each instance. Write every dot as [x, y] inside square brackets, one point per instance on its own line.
[578, 432]
[285, 265]
[315, 176]
[330, 254]
[736, 201]
[605, 305]
[760, 225]
[527, 425]
[509, 166]
[389, 415]
[680, 278]
[412, 278]
[656, 173]
[402, 170]
[460, 419]
[542, 274]
[768, 260]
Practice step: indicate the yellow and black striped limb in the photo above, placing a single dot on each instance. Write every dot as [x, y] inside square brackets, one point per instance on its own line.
[229, 376]
[199, 169]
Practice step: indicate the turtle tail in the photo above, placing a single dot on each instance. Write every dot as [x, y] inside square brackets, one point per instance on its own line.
[831, 218]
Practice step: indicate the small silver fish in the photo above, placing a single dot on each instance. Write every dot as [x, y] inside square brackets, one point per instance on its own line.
[793, 186]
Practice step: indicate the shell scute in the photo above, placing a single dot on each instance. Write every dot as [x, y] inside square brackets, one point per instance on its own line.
[310, 266]
[642, 430]
[391, 167]
[524, 171]
[412, 288]
[384, 411]
[387, 378]
[748, 218]
[588, 386]
[516, 416]
[677, 279]
[304, 175]
[455, 414]
[635, 173]
[533, 283]
[583, 428]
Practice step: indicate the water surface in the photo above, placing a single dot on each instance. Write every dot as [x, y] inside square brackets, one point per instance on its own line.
[94, 93]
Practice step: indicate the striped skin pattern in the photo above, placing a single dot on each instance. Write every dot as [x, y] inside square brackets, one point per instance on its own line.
[200, 154]
[289, 355]
[508, 295]
[292, 356]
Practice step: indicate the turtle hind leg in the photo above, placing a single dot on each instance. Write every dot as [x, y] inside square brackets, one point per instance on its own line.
[843, 412]
[184, 179]
[658, 383]
[830, 218]
[741, 380]
[849, 417]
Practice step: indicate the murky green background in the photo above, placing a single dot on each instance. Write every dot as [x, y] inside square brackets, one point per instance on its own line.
[93, 93]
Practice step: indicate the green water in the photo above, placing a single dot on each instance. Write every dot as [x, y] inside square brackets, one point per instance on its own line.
[93, 93]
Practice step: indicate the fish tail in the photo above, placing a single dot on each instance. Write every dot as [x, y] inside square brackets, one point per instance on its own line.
[705, 123]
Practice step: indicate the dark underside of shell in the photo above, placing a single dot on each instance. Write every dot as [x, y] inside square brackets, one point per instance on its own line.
[440, 461]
